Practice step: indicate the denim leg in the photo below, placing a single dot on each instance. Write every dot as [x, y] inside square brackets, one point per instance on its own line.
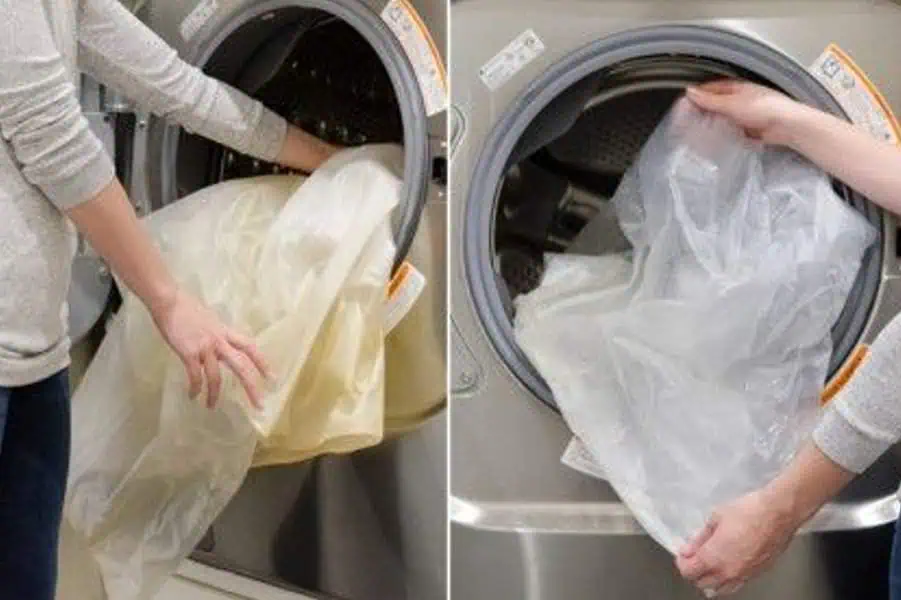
[895, 566]
[4, 407]
[34, 465]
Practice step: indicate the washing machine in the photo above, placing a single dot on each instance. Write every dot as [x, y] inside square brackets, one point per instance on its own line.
[370, 525]
[551, 102]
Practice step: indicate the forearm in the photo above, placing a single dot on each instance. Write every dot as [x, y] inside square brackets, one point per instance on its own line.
[870, 166]
[303, 151]
[810, 481]
[864, 420]
[118, 50]
[111, 226]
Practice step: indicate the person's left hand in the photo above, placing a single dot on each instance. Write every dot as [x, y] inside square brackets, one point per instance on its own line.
[740, 541]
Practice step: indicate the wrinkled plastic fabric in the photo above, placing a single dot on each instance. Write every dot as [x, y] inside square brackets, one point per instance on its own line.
[689, 368]
[299, 266]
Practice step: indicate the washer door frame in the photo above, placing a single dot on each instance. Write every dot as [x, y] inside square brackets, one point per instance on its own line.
[154, 156]
[706, 41]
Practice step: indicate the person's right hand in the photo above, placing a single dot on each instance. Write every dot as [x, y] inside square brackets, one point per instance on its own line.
[763, 113]
[303, 151]
[201, 341]
[741, 540]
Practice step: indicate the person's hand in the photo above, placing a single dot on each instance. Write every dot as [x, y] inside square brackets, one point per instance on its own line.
[196, 334]
[302, 151]
[740, 541]
[763, 113]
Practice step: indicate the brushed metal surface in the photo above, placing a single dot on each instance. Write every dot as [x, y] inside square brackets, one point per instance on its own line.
[525, 566]
[523, 525]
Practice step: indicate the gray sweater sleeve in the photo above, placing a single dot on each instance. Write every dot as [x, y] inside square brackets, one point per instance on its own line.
[117, 49]
[40, 116]
[864, 419]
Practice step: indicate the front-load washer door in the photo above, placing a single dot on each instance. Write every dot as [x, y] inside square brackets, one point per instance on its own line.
[349, 71]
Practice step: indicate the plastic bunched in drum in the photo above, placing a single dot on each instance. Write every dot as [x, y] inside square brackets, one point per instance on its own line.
[690, 371]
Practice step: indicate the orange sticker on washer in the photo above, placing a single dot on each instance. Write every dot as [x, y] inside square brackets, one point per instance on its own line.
[856, 93]
[404, 289]
[417, 42]
[867, 108]
[844, 375]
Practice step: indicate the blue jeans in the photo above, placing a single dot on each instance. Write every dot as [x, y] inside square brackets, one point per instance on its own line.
[895, 568]
[34, 465]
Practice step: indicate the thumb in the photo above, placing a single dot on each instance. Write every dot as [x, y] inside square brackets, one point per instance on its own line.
[692, 547]
[709, 101]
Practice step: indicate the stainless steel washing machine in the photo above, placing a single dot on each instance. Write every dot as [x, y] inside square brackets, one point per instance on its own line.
[371, 525]
[551, 101]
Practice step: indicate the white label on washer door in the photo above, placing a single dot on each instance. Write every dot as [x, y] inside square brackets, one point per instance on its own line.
[404, 289]
[511, 60]
[197, 18]
[406, 24]
[856, 94]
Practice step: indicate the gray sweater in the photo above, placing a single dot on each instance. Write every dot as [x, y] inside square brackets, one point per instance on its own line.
[50, 160]
[864, 419]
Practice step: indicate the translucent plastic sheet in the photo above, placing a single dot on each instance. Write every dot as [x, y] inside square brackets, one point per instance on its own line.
[301, 267]
[689, 368]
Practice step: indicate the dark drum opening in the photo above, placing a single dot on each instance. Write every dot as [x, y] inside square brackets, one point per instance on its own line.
[290, 63]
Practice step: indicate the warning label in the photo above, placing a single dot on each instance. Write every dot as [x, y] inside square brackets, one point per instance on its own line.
[511, 60]
[856, 94]
[407, 25]
[867, 108]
